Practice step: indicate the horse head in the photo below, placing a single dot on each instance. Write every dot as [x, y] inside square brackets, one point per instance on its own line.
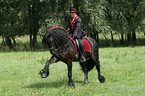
[48, 40]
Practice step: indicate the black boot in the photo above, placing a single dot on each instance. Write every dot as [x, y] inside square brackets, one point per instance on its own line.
[82, 59]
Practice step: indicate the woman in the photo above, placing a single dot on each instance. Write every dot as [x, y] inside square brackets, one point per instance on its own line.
[75, 31]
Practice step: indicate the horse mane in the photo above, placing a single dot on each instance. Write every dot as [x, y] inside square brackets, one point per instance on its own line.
[59, 36]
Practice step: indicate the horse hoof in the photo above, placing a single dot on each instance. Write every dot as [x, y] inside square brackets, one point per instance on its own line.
[84, 84]
[71, 85]
[43, 74]
[102, 79]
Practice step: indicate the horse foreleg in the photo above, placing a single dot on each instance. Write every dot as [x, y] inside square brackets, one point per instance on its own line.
[45, 72]
[69, 65]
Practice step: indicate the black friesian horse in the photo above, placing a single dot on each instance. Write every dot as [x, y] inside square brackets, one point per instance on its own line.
[63, 49]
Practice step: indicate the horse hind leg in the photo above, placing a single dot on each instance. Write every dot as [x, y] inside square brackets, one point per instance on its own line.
[86, 67]
[89, 65]
[100, 77]
[94, 60]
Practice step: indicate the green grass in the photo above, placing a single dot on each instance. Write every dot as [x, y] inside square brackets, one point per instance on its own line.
[124, 69]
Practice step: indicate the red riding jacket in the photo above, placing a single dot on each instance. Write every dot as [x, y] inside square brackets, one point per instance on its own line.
[74, 27]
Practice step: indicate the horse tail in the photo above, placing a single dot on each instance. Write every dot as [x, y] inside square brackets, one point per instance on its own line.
[90, 65]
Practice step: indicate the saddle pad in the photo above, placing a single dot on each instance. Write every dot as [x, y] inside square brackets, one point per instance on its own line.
[86, 45]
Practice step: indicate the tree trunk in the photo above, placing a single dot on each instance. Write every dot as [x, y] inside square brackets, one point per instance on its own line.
[97, 39]
[112, 39]
[9, 42]
[129, 39]
[134, 37]
[122, 39]
[31, 44]
[14, 41]
[34, 37]
[3, 41]
[105, 39]
[33, 27]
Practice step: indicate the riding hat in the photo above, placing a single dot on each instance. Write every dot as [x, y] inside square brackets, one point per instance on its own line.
[72, 10]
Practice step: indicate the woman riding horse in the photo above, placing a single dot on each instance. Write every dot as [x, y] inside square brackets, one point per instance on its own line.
[75, 31]
[63, 49]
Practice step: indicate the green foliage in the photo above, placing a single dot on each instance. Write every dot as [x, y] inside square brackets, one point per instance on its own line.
[125, 16]
[122, 67]
[55, 15]
[97, 17]
[33, 17]
[11, 21]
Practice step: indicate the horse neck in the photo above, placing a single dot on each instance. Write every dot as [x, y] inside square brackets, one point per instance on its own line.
[63, 47]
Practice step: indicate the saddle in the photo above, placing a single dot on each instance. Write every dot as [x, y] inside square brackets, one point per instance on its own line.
[85, 42]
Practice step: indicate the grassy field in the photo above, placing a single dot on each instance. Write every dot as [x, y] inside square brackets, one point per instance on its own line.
[124, 69]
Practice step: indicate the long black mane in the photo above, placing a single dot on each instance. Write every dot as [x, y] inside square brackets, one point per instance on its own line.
[60, 37]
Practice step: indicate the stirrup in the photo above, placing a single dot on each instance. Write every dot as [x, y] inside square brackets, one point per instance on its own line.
[83, 59]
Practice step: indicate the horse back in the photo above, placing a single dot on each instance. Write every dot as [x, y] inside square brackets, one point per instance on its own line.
[93, 45]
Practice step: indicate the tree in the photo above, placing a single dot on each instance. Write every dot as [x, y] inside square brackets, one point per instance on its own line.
[35, 12]
[11, 22]
[97, 22]
[43, 14]
[125, 17]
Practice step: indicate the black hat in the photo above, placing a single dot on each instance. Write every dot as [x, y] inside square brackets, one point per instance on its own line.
[72, 10]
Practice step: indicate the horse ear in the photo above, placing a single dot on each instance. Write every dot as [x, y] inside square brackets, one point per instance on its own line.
[48, 35]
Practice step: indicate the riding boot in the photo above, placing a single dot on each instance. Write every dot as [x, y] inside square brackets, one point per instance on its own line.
[82, 59]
